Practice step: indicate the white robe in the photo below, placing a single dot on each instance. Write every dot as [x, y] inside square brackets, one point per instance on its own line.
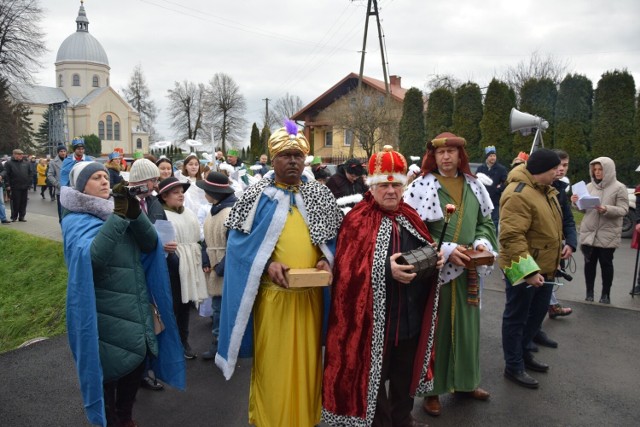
[192, 278]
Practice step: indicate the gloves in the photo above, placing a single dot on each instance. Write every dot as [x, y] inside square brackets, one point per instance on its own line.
[124, 204]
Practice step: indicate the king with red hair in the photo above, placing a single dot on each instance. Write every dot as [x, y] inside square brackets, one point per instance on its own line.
[447, 179]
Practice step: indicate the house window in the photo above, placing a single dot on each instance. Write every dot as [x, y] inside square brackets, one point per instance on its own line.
[60, 80]
[348, 137]
[138, 143]
[96, 81]
[328, 139]
[101, 130]
[116, 131]
[76, 80]
[109, 128]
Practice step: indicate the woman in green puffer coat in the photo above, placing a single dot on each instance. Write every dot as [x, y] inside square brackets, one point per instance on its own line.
[116, 270]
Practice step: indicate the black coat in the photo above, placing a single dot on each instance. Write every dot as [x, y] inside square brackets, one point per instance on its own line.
[17, 174]
[568, 223]
[340, 185]
[498, 175]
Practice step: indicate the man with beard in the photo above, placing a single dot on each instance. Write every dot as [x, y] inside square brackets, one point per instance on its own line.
[447, 179]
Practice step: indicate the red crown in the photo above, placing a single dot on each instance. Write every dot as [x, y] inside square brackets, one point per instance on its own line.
[387, 166]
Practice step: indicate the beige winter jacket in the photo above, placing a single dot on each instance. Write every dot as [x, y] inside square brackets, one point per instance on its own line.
[603, 230]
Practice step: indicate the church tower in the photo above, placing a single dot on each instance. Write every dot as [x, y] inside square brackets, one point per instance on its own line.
[81, 63]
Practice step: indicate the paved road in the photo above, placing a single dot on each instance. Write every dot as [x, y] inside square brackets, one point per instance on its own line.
[594, 378]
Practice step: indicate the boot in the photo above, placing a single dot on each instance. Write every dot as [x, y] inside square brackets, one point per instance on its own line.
[213, 348]
[556, 310]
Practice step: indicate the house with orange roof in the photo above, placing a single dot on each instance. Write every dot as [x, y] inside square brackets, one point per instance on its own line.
[329, 136]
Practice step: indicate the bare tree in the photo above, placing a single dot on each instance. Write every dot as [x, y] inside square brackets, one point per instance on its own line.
[439, 81]
[286, 107]
[138, 95]
[187, 106]
[21, 41]
[227, 109]
[370, 116]
[536, 67]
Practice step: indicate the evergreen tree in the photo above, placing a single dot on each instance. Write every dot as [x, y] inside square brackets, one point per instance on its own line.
[613, 127]
[264, 138]
[439, 112]
[412, 132]
[573, 123]
[467, 114]
[256, 148]
[93, 145]
[537, 97]
[16, 130]
[494, 126]
[42, 135]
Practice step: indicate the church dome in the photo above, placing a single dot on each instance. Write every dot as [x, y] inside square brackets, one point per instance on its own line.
[82, 46]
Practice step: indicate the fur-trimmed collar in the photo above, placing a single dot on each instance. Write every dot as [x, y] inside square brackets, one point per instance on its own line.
[78, 202]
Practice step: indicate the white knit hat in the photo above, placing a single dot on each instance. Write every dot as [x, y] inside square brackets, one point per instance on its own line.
[142, 170]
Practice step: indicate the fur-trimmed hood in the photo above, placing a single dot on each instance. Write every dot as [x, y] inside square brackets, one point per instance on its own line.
[75, 201]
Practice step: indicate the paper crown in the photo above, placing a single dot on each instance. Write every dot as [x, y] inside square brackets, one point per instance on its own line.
[491, 149]
[387, 166]
[77, 142]
[233, 152]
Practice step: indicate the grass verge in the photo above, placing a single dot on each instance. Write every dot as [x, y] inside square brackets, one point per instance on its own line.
[33, 283]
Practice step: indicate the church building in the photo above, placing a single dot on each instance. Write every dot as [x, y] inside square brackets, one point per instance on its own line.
[83, 101]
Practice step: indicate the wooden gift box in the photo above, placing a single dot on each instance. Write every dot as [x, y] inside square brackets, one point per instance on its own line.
[307, 277]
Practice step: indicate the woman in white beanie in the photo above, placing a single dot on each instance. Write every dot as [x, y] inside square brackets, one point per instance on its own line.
[115, 273]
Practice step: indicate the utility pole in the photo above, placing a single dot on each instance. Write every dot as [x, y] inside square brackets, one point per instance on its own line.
[265, 149]
[373, 4]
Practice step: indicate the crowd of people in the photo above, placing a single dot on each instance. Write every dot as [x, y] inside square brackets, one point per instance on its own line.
[229, 240]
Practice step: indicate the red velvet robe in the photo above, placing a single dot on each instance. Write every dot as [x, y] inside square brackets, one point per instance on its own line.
[355, 336]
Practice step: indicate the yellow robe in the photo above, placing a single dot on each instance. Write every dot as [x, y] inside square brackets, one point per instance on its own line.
[286, 379]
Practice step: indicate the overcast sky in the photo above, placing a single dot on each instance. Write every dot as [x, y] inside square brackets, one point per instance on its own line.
[304, 47]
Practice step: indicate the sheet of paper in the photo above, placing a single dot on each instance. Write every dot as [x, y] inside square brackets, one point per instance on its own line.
[585, 200]
[165, 230]
[580, 189]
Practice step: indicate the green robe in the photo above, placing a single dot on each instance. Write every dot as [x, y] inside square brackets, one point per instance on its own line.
[457, 360]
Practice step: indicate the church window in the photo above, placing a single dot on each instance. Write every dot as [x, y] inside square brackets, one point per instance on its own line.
[101, 129]
[109, 128]
[116, 131]
[139, 143]
[96, 81]
[76, 80]
[60, 80]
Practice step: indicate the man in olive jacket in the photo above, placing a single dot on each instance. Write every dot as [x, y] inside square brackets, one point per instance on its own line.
[530, 248]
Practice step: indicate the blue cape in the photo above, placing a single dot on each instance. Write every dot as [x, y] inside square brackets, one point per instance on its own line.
[79, 230]
[247, 255]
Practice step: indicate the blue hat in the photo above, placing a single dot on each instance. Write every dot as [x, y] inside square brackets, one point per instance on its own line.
[114, 155]
[489, 150]
[77, 142]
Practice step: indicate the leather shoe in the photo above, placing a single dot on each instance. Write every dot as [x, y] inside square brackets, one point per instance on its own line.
[521, 378]
[431, 405]
[6, 221]
[542, 339]
[534, 365]
[151, 384]
[479, 394]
